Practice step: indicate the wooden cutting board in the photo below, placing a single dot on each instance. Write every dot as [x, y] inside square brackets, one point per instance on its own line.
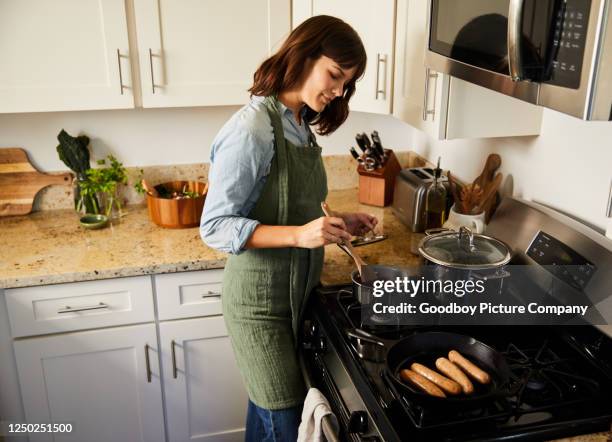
[20, 181]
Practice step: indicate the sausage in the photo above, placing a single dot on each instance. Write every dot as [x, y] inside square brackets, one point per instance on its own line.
[455, 373]
[467, 366]
[423, 384]
[449, 386]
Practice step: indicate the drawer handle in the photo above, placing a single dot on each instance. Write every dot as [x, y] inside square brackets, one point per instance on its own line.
[69, 309]
[211, 293]
[148, 363]
[174, 369]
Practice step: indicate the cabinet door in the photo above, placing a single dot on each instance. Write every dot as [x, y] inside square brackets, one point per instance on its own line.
[446, 107]
[374, 22]
[204, 394]
[204, 53]
[64, 55]
[97, 380]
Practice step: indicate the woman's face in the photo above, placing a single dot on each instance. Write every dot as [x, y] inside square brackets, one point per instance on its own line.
[324, 83]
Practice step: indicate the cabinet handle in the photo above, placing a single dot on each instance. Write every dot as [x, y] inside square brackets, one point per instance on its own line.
[211, 293]
[426, 110]
[381, 59]
[69, 309]
[151, 66]
[609, 208]
[148, 363]
[174, 369]
[120, 73]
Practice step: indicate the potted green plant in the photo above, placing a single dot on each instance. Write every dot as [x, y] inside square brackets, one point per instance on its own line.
[104, 182]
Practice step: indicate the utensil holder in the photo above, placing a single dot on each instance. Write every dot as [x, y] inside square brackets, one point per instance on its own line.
[376, 186]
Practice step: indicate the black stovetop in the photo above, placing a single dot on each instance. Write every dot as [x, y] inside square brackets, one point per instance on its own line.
[561, 379]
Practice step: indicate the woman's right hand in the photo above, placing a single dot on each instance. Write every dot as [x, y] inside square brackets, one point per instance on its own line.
[320, 232]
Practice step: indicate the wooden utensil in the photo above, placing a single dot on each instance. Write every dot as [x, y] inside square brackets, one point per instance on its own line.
[490, 192]
[366, 274]
[20, 182]
[455, 191]
[149, 189]
[492, 163]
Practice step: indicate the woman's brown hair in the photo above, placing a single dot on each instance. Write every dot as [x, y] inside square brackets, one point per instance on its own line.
[317, 36]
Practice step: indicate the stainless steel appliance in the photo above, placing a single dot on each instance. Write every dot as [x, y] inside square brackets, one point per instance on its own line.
[409, 195]
[561, 375]
[554, 53]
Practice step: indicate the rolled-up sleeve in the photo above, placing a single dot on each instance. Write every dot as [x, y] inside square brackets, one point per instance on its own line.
[239, 159]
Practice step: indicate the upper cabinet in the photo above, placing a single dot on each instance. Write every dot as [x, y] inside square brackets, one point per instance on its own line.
[374, 22]
[195, 53]
[75, 54]
[64, 55]
[442, 106]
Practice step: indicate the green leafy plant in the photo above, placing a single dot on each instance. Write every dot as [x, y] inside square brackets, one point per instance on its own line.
[105, 180]
[74, 153]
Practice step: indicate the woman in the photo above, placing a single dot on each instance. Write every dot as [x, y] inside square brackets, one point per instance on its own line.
[266, 185]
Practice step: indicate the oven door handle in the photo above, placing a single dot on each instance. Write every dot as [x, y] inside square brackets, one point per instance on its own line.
[326, 424]
[515, 32]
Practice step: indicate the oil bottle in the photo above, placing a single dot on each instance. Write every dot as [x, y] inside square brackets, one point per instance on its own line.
[435, 203]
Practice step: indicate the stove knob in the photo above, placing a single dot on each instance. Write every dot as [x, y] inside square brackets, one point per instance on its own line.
[311, 329]
[320, 345]
[358, 422]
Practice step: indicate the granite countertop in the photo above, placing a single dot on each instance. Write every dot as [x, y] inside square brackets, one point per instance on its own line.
[50, 247]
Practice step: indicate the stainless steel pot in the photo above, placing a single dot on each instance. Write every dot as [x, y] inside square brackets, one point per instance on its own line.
[363, 292]
[466, 255]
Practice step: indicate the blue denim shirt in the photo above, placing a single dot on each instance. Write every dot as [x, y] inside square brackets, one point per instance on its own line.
[240, 161]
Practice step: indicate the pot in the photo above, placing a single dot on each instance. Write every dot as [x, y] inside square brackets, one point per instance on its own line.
[425, 348]
[467, 256]
[363, 291]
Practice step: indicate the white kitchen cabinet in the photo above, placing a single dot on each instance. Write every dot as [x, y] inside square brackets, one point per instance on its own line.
[204, 394]
[446, 107]
[106, 382]
[64, 55]
[188, 294]
[374, 22]
[195, 53]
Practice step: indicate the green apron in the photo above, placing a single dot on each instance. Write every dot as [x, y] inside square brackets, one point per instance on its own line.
[265, 289]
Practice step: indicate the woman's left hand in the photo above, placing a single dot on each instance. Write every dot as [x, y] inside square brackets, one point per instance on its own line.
[359, 223]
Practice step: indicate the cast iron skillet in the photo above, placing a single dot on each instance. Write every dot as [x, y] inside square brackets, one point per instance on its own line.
[426, 347]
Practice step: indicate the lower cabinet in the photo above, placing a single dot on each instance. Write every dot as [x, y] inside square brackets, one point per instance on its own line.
[106, 383]
[204, 395]
[174, 379]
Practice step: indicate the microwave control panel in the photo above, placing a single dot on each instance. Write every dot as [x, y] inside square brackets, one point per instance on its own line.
[561, 260]
[569, 43]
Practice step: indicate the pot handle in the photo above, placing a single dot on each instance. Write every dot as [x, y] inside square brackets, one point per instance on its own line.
[470, 236]
[358, 333]
[499, 274]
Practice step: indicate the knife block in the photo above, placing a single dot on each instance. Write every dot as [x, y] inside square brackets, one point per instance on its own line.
[376, 186]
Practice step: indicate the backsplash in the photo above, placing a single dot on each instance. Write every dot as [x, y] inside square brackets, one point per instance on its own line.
[341, 174]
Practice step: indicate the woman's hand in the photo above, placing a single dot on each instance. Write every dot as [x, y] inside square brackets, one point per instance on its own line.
[320, 232]
[359, 223]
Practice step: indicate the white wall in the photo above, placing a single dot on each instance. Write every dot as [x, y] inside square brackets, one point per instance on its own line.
[148, 137]
[569, 166]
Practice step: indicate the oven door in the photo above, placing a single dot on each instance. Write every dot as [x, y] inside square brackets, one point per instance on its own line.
[540, 51]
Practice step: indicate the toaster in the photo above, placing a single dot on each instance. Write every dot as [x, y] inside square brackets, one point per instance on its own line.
[409, 195]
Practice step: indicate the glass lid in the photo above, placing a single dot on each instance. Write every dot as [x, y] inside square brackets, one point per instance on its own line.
[465, 249]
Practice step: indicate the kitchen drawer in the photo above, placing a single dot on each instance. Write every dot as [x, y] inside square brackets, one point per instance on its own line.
[188, 294]
[79, 305]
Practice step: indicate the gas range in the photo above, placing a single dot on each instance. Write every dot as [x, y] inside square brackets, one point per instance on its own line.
[561, 381]
[560, 376]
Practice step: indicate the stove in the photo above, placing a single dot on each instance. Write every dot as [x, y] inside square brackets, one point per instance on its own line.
[561, 376]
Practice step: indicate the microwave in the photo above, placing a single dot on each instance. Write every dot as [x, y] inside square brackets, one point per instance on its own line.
[553, 53]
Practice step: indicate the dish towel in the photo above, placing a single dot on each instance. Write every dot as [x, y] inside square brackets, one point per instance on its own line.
[315, 407]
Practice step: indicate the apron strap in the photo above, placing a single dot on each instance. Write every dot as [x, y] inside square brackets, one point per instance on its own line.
[281, 155]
